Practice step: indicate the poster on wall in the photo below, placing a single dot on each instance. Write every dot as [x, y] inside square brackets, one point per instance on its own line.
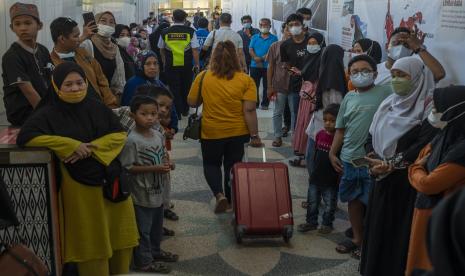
[283, 8]
[440, 23]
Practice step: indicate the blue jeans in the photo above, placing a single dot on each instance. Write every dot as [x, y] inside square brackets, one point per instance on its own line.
[315, 194]
[281, 99]
[355, 184]
[150, 225]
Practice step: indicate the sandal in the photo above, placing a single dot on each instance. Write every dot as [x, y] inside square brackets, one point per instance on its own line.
[345, 247]
[168, 232]
[297, 163]
[155, 268]
[277, 143]
[356, 254]
[166, 257]
[304, 204]
[170, 215]
[305, 227]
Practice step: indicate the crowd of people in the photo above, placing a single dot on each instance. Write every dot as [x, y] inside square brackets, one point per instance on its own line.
[107, 101]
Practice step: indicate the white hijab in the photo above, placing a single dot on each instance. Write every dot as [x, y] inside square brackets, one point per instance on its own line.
[398, 114]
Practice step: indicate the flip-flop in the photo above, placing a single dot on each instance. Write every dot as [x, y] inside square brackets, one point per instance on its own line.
[167, 257]
[277, 143]
[155, 268]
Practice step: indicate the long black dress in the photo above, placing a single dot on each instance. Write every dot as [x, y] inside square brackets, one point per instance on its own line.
[390, 210]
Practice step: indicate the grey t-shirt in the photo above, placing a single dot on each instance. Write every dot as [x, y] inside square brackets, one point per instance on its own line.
[147, 188]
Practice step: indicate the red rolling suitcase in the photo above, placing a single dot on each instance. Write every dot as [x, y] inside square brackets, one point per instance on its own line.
[262, 199]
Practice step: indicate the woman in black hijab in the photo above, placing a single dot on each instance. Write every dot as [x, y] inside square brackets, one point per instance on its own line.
[315, 46]
[439, 169]
[86, 137]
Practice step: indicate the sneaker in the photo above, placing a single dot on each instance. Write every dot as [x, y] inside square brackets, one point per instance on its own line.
[325, 229]
[221, 204]
[305, 227]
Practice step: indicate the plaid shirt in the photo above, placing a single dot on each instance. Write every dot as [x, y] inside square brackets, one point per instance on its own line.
[124, 115]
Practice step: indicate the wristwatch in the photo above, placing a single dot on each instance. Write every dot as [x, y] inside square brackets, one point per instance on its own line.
[420, 49]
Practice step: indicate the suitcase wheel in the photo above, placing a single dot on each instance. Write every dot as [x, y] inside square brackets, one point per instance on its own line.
[239, 232]
[287, 233]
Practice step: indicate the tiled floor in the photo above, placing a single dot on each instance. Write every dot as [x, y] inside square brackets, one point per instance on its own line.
[205, 241]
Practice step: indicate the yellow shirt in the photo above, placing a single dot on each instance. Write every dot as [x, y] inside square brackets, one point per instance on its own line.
[222, 114]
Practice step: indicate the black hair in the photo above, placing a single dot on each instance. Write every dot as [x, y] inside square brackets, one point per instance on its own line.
[366, 58]
[132, 25]
[119, 29]
[203, 23]
[246, 17]
[62, 26]
[267, 20]
[283, 27]
[295, 17]
[179, 15]
[305, 11]
[142, 30]
[332, 109]
[226, 18]
[145, 21]
[400, 30]
[153, 91]
[139, 100]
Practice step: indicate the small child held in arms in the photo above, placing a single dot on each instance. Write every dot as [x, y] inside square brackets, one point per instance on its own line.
[145, 158]
[324, 179]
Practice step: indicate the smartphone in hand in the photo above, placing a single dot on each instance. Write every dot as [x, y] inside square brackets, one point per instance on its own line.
[88, 17]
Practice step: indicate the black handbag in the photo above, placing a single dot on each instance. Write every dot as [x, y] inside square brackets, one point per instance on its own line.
[116, 183]
[192, 130]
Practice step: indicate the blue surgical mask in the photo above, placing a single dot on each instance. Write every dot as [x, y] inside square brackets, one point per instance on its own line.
[313, 49]
[247, 25]
[399, 51]
[361, 79]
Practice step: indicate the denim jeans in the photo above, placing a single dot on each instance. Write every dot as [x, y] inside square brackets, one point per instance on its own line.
[150, 224]
[355, 183]
[281, 100]
[257, 75]
[329, 196]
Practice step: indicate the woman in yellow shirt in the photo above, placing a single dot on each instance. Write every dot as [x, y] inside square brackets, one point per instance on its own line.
[229, 118]
[96, 233]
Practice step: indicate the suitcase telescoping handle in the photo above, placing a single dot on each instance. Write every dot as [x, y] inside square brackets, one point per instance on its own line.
[246, 152]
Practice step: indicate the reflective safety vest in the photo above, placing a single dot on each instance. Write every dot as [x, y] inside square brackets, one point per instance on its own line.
[178, 45]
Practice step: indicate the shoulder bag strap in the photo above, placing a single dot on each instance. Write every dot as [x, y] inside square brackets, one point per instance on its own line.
[199, 96]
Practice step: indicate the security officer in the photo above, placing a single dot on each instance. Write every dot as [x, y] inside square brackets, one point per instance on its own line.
[179, 47]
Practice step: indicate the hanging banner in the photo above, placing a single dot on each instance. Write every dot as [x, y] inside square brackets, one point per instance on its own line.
[442, 22]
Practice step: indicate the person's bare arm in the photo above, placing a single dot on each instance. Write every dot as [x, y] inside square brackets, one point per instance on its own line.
[195, 53]
[30, 93]
[240, 55]
[336, 148]
[415, 44]
[250, 116]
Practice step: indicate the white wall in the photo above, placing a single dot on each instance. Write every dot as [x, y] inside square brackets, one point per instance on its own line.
[257, 9]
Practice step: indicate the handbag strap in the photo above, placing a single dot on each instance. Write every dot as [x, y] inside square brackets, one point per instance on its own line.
[19, 259]
[199, 96]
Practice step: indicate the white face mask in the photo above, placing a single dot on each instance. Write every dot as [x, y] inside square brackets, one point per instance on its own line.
[124, 41]
[313, 49]
[308, 23]
[105, 30]
[67, 55]
[264, 30]
[362, 80]
[434, 118]
[399, 51]
[295, 30]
